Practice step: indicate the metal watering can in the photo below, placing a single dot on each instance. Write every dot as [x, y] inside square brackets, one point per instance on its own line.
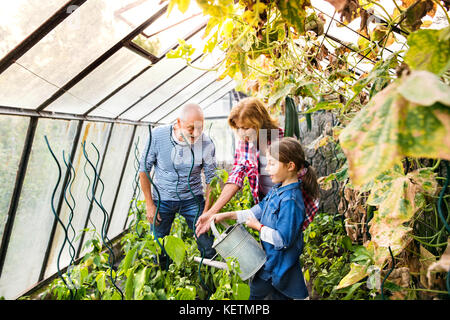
[236, 242]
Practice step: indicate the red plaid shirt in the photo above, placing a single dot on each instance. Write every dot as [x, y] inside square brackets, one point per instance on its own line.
[246, 162]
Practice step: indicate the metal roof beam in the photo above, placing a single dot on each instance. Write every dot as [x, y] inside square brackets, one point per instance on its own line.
[64, 116]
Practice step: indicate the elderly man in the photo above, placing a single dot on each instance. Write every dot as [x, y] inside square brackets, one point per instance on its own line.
[171, 157]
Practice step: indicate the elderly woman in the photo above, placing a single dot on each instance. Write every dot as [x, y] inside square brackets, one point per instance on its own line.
[256, 129]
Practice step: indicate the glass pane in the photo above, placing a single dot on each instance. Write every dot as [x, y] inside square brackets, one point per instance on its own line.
[208, 104]
[221, 134]
[168, 89]
[146, 82]
[165, 32]
[110, 175]
[182, 97]
[129, 182]
[117, 70]
[219, 108]
[22, 17]
[16, 80]
[75, 43]
[198, 98]
[34, 216]
[13, 131]
[92, 132]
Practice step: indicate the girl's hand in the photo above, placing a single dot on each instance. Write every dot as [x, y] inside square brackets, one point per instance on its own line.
[220, 217]
[254, 224]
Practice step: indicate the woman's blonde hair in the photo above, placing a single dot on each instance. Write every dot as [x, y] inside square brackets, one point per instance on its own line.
[253, 113]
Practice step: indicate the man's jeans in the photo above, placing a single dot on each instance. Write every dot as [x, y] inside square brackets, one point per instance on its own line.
[188, 209]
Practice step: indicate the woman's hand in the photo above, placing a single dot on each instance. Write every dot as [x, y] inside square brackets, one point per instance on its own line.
[254, 224]
[203, 222]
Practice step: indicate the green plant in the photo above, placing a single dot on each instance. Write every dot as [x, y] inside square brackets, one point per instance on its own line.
[326, 257]
[139, 273]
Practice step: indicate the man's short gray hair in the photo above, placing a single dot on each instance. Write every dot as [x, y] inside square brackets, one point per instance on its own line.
[188, 108]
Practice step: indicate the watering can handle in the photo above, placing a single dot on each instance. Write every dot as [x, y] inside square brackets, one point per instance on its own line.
[214, 229]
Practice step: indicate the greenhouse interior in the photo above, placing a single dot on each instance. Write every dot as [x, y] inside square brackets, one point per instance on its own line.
[358, 90]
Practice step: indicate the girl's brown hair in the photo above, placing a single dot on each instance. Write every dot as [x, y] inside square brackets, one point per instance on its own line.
[289, 149]
[253, 113]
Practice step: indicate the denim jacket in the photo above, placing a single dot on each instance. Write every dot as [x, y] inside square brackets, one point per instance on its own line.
[283, 210]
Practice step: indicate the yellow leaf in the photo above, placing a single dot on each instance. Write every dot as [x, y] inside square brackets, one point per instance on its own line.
[227, 29]
[183, 5]
[306, 275]
[323, 141]
[426, 23]
[356, 273]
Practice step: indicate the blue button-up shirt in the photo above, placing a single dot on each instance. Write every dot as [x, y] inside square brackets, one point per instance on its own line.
[283, 210]
[172, 163]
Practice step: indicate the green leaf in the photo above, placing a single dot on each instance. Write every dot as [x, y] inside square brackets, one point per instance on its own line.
[325, 105]
[294, 12]
[352, 289]
[84, 272]
[140, 280]
[161, 294]
[97, 261]
[424, 88]
[389, 128]
[175, 248]
[347, 243]
[101, 283]
[129, 285]
[397, 200]
[188, 293]
[281, 93]
[241, 291]
[428, 51]
[307, 89]
[129, 259]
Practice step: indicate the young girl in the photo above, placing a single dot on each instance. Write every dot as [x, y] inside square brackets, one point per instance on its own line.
[279, 218]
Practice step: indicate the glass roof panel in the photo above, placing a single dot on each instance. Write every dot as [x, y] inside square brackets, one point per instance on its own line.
[117, 70]
[182, 97]
[157, 74]
[16, 81]
[87, 33]
[169, 88]
[20, 18]
[164, 32]
[219, 108]
[198, 98]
